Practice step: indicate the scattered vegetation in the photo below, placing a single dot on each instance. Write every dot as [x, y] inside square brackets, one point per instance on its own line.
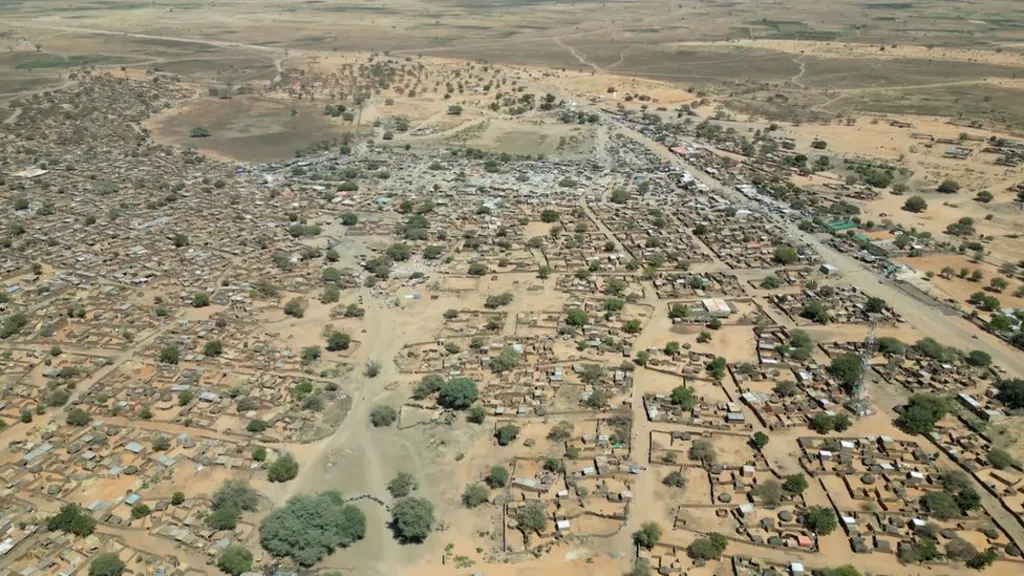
[308, 528]
[383, 416]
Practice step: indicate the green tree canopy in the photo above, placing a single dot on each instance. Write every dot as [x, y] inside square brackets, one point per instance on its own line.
[106, 564]
[402, 484]
[474, 495]
[949, 186]
[1011, 392]
[507, 359]
[412, 519]
[433, 252]
[968, 499]
[786, 255]
[648, 535]
[707, 548]
[78, 417]
[820, 520]
[308, 528]
[846, 369]
[703, 451]
[921, 414]
[891, 346]
[978, 358]
[717, 367]
[620, 196]
[592, 374]
[72, 519]
[875, 305]
[846, 570]
[770, 492]
[233, 497]
[429, 384]
[283, 469]
[458, 393]
[682, 396]
[532, 517]
[759, 440]
[506, 434]
[674, 479]
[915, 204]
[338, 341]
[941, 505]
[498, 477]
[576, 317]
[932, 349]
[235, 560]
[170, 354]
[816, 311]
[383, 416]
[999, 458]
[399, 252]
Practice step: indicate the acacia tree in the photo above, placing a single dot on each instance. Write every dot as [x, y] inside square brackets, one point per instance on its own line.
[648, 535]
[532, 517]
[921, 414]
[235, 560]
[941, 505]
[308, 528]
[820, 520]
[402, 484]
[759, 440]
[283, 469]
[474, 495]
[707, 548]
[786, 255]
[412, 519]
[458, 393]
[498, 477]
[915, 204]
[795, 484]
[592, 374]
[71, 519]
[106, 564]
[846, 369]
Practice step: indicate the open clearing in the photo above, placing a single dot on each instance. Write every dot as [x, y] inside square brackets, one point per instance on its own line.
[529, 140]
[248, 128]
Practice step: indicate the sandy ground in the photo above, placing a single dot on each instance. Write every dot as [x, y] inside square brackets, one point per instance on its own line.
[357, 458]
[960, 289]
[880, 51]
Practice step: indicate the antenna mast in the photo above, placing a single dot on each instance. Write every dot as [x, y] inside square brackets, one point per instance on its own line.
[865, 363]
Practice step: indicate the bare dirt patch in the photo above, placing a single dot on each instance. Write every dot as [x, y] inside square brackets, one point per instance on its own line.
[546, 139]
[249, 128]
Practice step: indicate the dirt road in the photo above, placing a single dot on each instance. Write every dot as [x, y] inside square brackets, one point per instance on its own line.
[350, 460]
[925, 318]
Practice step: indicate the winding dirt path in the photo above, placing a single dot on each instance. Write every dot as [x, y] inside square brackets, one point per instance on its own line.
[803, 68]
[622, 56]
[581, 57]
